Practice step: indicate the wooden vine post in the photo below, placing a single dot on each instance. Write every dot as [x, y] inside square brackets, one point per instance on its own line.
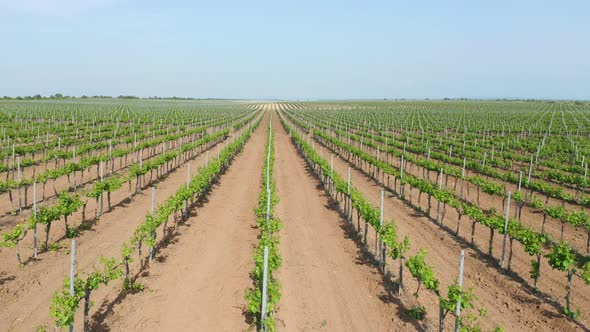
[72, 272]
[101, 193]
[348, 199]
[460, 284]
[379, 252]
[463, 177]
[153, 209]
[19, 179]
[35, 247]
[438, 219]
[188, 181]
[505, 231]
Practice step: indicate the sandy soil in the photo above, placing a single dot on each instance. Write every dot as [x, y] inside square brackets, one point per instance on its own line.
[552, 282]
[26, 292]
[325, 283]
[201, 282]
[329, 281]
[506, 301]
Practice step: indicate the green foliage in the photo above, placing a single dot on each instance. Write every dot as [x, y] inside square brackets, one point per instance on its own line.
[268, 228]
[126, 251]
[388, 234]
[132, 286]
[45, 216]
[456, 293]
[63, 308]
[417, 312]
[531, 240]
[561, 257]
[69, 203]
[55, 247]
[586, 273]
[535, 267]
[64, 305]
[72, 233]
[518, 197]
[571, 313]
[12, 238]
[468, 323]
[422, 272]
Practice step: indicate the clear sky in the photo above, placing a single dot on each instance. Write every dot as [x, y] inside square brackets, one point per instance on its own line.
[296, 49]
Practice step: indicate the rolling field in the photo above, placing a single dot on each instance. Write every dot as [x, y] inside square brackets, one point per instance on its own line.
[218, 215]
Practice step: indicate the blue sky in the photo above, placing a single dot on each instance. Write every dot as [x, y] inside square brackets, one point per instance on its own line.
[296, 49]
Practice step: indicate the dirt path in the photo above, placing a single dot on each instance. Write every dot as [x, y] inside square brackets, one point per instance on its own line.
[325, 285]
[201, 284]
[25, 293]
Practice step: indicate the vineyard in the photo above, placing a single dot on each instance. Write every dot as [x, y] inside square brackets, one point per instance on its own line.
[214, 215]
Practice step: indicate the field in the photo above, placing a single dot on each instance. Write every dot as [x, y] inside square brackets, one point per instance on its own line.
[213, 215]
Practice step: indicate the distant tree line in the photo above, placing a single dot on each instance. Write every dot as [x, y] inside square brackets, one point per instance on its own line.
[61, 96]
[578, 102]
[54, 96]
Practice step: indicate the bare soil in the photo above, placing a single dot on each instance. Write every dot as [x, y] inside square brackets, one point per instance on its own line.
[26, 292]
[327, 284]
[507, 302]
[202, 277]
[329, 279]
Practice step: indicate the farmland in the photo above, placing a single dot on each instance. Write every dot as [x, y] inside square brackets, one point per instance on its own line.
[336, 215]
